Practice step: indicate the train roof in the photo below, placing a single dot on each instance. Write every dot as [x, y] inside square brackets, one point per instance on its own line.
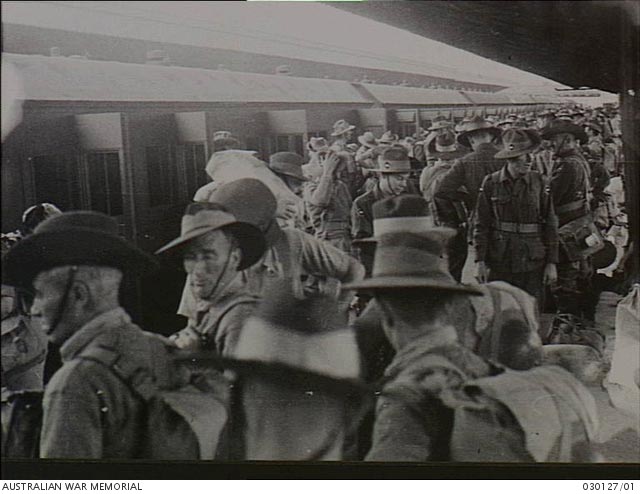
[414, 96]
[69, 79]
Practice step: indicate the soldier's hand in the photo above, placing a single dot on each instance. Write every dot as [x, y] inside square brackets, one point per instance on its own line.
[483, 272]
[550, 275]
[331, 162]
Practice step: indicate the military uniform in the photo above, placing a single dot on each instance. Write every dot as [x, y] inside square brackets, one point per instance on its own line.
[569, 189]
[328, 201]
[516, 229]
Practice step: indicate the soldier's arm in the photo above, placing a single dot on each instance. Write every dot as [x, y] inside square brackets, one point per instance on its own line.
[320, 193]
[563, 179]
[483, 219]
[451, 181]
[322, 258]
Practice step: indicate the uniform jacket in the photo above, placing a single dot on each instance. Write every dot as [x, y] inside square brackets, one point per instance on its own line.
[411, 423]
[216, 324]
[570, 183]
[362, 213]
[505, 206]
[328, 201]
[89, 412]
[469, 172]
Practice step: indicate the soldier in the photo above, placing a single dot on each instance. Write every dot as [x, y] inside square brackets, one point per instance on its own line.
[516, 230]
[393, 172]
[342, 133]
[570, 192]
[213, 246]
[439, 126]
[328, 201]
[366, 154]
[89, 412]
[468, 172]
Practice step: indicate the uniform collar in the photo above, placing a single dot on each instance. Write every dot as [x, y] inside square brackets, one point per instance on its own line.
[88, 332]
[506, 176]
[236, 285]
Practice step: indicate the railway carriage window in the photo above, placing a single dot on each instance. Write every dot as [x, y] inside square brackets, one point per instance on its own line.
[194, 163]
[282, 143]
[105, 185]
[406, 129]
[162, 177]
[56, 181]
[298, 144]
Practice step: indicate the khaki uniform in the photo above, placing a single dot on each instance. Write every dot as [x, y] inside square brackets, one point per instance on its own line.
[516, 229]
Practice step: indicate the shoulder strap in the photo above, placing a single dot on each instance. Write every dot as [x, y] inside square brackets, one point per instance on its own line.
[130, 371]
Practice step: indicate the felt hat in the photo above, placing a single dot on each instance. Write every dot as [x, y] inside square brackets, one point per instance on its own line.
[203, 217]
[388, 138]
[341, 127]
[559, 126]
[440, 122]
[318, 145]
[517, 142]
[410, 213]
[394, 159]
[250, 201]
[477, 124]
[222, 135]
[74, 238]
[36, 214]
[445, 146]
[412, 260]
[289, 164]
[368, 140]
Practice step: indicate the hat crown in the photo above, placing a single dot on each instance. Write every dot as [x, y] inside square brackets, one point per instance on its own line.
[369, 137]
[395, 154]
[517, 139]
[85, 220]
[249, 200]
[341, 126]
[222, 134]
[286, 157]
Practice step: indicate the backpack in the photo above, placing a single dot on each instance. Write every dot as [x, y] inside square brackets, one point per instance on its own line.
[495, 420]
[186, 407]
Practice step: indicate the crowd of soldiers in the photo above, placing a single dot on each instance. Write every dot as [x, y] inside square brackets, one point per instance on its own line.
[334, 326]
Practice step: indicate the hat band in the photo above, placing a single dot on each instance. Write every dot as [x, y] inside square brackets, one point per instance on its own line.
[407, 224]
[406, 261]
[395, 166]
[445, 149]
[205, 220]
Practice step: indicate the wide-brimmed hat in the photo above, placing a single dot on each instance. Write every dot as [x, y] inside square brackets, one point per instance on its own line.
[477, 124]
[340, 127]
[75, 238]
[203, 217]
[289, 164]
[517, 142]
[410, 213]
[394, 159]
[408, 260]
[445, 147]
[318, 144]
[440, 122]
[388, 138]
[223, 135]
[559, 126]
[368, 140]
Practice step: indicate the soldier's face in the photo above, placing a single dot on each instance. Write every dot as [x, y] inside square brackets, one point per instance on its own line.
[210, 260]
[396, 183]
[49, 289]
[519, 165]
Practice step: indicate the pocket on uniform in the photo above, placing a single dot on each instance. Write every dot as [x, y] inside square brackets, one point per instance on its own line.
[497, 249]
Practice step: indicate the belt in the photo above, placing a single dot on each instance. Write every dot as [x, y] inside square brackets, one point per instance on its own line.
[571, 206]
[506, 226]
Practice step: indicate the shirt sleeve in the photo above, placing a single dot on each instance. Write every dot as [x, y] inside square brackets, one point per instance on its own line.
[322, 258]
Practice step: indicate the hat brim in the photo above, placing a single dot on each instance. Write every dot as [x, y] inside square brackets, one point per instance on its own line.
[578, 132]
[335, 134]
[437, 282]
[463, 137]
[72, 247]
[368, 144]
[250, 239]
